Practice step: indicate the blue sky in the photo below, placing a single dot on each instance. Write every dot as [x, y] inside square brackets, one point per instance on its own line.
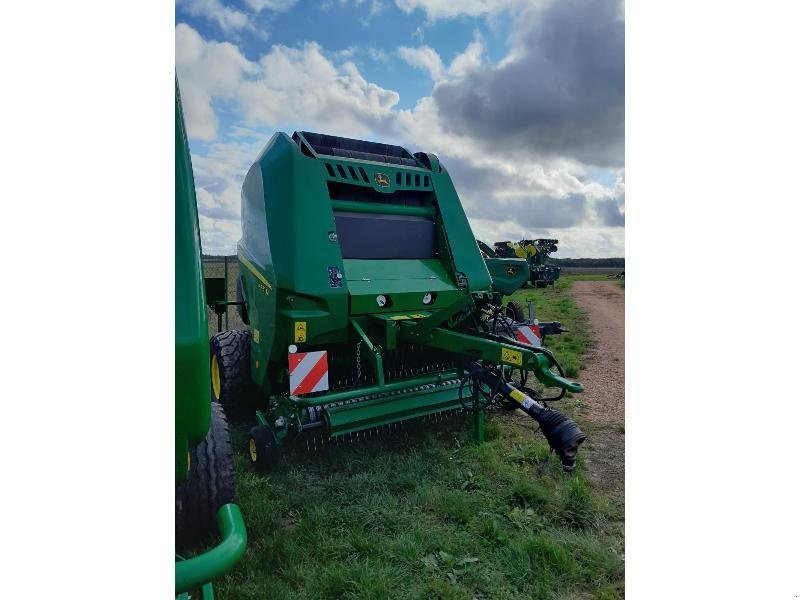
[523, 101]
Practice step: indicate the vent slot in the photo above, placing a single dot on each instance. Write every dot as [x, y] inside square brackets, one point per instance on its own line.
[330, 170]
[359, 193]
[408, 179]
[416, 180]
[353, 173]
[341, 171]
[426, 181]
[363, 174]
[399, 178]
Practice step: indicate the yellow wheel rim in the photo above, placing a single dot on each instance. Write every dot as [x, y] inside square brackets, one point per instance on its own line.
[215, 385]
[253, 452]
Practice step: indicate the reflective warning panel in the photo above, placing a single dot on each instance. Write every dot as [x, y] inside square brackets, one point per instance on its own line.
[529, 334]
[308, 372]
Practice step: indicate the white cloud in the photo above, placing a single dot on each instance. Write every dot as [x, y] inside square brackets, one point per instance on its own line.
[444, 9]
[425, 58]
[219, 237]
[227, 18]
[507, 194]
[285, 85]
[206, 70]
[275, 5]
[469, 59]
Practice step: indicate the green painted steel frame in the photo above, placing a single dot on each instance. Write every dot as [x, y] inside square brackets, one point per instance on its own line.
[531, 359]
[373, 353]
[199, 570]
[192, 372]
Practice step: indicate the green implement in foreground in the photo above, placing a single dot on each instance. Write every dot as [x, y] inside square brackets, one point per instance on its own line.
[203, 459]
[368, 301]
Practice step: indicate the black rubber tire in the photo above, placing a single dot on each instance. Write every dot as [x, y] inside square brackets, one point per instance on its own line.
[209, 486]
[261, 448]
[241, 308]
[515, 311]
[232, 351]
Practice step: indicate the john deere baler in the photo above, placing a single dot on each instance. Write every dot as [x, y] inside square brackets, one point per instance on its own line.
[368, 300]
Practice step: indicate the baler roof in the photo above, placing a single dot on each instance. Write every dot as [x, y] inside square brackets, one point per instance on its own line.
[331, 145]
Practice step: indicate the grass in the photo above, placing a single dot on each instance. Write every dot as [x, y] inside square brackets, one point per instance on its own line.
[426, 513]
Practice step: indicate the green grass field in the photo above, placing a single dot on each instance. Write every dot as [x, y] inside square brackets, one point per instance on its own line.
[426, 513]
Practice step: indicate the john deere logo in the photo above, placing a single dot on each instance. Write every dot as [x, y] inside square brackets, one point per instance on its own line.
[382, 179]
[511, 271]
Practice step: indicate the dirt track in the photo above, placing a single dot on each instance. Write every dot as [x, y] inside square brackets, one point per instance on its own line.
[603, 413]
[604, 377]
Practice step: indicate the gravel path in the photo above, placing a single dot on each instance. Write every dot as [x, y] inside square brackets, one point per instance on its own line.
[604, 376]
[603, 415]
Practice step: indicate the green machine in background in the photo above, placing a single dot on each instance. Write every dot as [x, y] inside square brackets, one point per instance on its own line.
[537, 253]
[203, 459]
[368, 302]
[508, 274]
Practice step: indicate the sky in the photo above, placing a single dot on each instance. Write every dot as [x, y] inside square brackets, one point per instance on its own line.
[523, 101]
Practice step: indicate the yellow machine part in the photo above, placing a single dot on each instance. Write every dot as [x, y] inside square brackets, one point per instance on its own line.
[526, 251]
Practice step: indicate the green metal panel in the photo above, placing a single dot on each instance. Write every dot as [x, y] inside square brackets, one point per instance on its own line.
[464, 248]
[405, 281]
[383, 209]
[192, 396]
[508, 274]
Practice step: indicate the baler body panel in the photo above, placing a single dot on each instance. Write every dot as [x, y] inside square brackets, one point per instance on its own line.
[330, 234]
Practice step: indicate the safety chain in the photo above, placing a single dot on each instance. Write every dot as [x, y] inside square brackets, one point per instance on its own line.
[358, 361]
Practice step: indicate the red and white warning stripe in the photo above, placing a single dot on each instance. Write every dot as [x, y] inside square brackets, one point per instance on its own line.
[308, 372]
[529, 334]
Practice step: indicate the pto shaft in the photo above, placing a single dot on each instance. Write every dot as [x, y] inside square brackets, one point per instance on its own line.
[561, 432]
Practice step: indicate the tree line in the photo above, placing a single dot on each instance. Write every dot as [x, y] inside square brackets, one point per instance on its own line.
[604, 263]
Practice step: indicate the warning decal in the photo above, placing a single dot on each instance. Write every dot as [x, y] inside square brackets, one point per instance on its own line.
[300, 331]
[512, 357]
[308, 372]
[529, 334]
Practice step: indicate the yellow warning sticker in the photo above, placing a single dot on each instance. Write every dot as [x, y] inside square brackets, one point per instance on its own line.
[512, 357]
[256, 336]
[400, 317]
[300, 331]
[417, 316]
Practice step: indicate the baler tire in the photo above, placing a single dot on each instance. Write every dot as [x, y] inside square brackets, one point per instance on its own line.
[241, 308]
[209, 486]
[231, 385]
[515, 311]
[261, 448]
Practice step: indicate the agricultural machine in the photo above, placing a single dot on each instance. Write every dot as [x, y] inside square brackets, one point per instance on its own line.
[536, 253]
[204, 493]
[368, 302]
[508, 274]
